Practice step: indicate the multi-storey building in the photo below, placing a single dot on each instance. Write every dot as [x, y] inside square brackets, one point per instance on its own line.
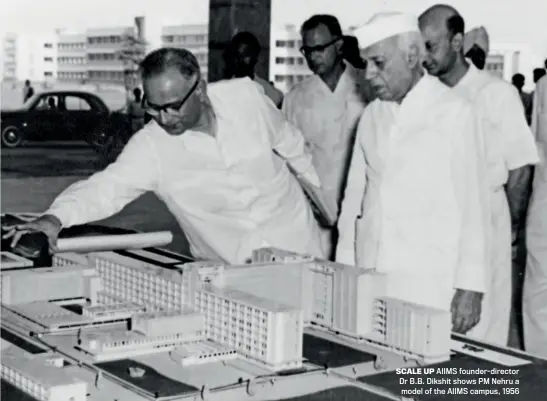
[192, 37]
[36, 376]
[287, 65]
[71, 57]
[266, 331]
[140, 282]
[31, 56]
[103, 49]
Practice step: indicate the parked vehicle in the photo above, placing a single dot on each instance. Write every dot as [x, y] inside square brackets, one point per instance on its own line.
[64, 116]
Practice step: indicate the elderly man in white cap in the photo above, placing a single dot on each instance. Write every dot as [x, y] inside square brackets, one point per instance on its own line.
[509, 148]
[412, 205]
[476, 45]
[535, 280]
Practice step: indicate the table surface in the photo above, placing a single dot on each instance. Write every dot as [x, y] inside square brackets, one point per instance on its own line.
[530, 380]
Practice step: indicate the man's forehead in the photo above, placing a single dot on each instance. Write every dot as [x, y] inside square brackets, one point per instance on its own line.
[434, 30]
[167, 84]
[317, 34]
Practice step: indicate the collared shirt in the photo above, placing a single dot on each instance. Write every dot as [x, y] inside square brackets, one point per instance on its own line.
[328, 120]
[412, 206]
[508, 141]
[230, 193]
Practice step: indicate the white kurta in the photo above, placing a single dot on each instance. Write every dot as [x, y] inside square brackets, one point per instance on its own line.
[269, 90]
[412, 206]
[328, 120]
[535, 280]
[509, 144]
[230, 193]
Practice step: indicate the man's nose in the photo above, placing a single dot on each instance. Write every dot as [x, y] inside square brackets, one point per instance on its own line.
[163, 117]
[370, 71]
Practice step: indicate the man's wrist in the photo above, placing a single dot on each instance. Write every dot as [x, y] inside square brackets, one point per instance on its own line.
[53, 219]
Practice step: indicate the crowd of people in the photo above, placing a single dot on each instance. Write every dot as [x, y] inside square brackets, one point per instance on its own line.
[428, 158]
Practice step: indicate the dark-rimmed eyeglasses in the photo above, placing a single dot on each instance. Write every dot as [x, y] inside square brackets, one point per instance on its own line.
[308, 50]
[170, 108]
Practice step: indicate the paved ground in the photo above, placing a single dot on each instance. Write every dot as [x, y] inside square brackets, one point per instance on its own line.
[34, 175]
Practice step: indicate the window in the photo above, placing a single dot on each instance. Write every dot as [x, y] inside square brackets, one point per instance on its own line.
[279, 43]
[280, 60]
[76, 103]
[48, 59]
[48, 45]
[48, 74]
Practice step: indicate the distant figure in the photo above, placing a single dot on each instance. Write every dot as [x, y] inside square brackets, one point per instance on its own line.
[538, 74]
[136, 111]
[241, 58]
[476, 45]
[28, 91]
[518, 81]
[51, 103]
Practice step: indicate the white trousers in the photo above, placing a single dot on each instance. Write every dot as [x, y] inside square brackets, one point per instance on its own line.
[493, 326]
[534, 303]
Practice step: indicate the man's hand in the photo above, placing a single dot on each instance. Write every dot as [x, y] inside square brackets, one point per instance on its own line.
[466, 310]
[47, 224]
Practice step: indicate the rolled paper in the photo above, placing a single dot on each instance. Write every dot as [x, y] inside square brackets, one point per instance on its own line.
[101, 243]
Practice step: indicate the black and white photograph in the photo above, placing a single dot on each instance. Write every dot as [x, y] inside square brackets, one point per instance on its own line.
[273, 200]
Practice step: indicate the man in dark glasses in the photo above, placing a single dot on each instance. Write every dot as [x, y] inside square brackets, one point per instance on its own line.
[216, 155]
[327, 105]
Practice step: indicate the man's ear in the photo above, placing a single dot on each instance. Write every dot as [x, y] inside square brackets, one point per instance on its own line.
[457, 42]
[202, 87]
[413, 56]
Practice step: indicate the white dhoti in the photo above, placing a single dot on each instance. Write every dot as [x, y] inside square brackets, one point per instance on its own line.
[493, 326]
[534, 303]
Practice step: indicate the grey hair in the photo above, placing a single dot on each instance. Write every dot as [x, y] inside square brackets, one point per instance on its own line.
[408, 40]
[160, 60]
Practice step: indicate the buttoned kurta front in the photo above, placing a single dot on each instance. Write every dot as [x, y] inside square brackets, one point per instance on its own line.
[230, 193]
[328, 120]
[412, 206]
[509, 144]
[535, 281]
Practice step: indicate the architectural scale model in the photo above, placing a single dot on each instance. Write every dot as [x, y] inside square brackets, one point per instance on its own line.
[201, 312]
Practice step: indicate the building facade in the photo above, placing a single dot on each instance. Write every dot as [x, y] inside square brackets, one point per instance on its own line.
[71, 57]
[104, 47]
[31, 56]
[192, 37]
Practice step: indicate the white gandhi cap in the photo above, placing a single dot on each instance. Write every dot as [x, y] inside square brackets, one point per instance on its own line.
[385, 25]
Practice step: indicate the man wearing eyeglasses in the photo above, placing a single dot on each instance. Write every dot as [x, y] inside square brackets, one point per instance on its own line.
[327, 106]
[215, 155]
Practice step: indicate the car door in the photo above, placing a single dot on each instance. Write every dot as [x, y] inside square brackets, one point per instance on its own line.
[44, 119]
[79, 116]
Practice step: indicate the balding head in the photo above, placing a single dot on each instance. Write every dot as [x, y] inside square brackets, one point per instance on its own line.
[443, 29]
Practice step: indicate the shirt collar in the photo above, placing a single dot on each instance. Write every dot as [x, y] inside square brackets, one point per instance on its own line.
[345, 84]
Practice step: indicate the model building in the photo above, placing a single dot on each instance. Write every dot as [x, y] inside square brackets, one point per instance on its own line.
[206, 311]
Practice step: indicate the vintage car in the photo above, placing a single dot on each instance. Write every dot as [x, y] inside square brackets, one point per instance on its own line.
[63, 116]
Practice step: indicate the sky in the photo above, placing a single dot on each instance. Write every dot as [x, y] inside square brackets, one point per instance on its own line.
[519, 22]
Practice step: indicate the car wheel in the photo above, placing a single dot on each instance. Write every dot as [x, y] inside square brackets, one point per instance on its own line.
[11, 137]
